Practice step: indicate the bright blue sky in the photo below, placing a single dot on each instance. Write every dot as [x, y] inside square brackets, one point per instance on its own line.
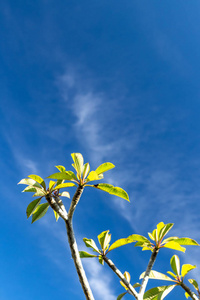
[117, 81]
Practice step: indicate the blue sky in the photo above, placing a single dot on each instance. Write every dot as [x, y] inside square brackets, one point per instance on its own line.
[116, 81]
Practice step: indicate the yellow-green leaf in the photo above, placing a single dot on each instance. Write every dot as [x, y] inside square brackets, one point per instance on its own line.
[175, 264]
[104, 239]
[61, 168]
[121, 296]
[29, 181]
[194, 283]
[86, 170]
[38, 179]
[157, 275]
[186, 268]
[56, 215]
[91, 244]
[78, 163]
[63, 176]
[101, 260]
[165, 229]
[64, 185]
[174, 245]
[117, 191]
[186, 242]
[122, 242]
[40, 212]
[84, 254]
[51, 184]
[104, 167]
[65, 194]
[93, 176]
[32, 207]
[155, 293]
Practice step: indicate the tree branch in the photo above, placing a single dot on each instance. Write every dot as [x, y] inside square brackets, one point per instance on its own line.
[57, 206]
[75, 201]
[121, 276]
[146, 275]
[188, 290]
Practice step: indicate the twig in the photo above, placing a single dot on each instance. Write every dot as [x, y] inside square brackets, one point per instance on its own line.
[188, 290]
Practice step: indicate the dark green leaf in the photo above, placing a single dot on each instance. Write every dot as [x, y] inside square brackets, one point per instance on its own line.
[40, 212]
[32, 207]
[121, 296]
[84, 254]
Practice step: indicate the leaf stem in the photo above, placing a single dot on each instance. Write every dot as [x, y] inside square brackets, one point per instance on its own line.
[121, 276]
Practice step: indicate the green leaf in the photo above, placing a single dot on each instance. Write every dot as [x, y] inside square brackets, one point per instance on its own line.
[30, 188]
[56, 215]
[172, 274]
[175, 264]
[117, 191]
[128, 278]
[121, 296]
[51, 184]
[104, 167]
[61, 168]
[101, 260]
[139, 238]
[40, 212]
[159, 228]
[186, 242]
[121, 242]
[137, 284]
[86, 170]
[104, 239]
[151, 236]
[154, 293]
[64, 185]
[163, 294]
[84, 254]
[39, 180]
[91, 244]
[32, 207]
[63, 176]
[29, 181]
[39, 192]
[65, 194]
[186, 268]
[93, 176]
[187, 295]
[194, 283]
[157, 275]
[78, 163]
[175, 246]
[166, 228]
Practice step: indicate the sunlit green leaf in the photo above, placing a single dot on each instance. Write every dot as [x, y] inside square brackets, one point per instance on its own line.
[187, 295]
[172, 274]
[186, 268]
[63, 176]
[93, 176]
[159, 227]
[137, 284]
[84, 254]
[157, 275]
[61, 168]
[56, 215]
[40, 212]
[101, 260]
[64, 185]
[166, 228]
[39, 192]
[29, 181]
[78, 163]
[121, 242]
[194, 283]
[38, 179]
[151, 236]
[175, 264]
[163, 294]
[128, 278]
[154, 293]
[121, 296]
[65, 194]
[175, 246]
[30, 189]
[86, 170]
[117, 191]
[139, 238]
[104, 239]
[186, 242]
[104, 167]
[51, 184]
[32, 207]
[91, 244]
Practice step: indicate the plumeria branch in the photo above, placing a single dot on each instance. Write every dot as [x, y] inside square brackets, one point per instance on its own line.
[188, 290]
[121, 276]
[147, 273]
